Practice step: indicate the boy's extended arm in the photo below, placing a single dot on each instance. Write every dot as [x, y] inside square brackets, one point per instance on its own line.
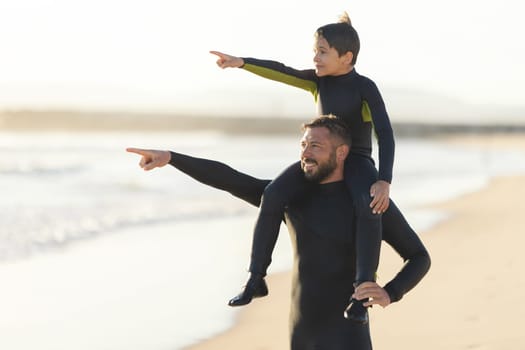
[276, 71]
[221, 176]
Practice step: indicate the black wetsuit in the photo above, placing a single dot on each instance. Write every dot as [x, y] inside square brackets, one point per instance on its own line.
[322, 224]
[355, 99]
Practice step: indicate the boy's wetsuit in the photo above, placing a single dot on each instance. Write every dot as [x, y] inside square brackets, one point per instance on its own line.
[323, 241]
[355, 99]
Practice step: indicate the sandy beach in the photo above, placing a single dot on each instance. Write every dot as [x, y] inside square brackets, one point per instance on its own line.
[470, 299]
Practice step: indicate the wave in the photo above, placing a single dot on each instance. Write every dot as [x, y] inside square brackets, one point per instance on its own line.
[29, 231]
[40, 170]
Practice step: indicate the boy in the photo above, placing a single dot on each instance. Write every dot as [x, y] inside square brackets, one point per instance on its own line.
[339, 90]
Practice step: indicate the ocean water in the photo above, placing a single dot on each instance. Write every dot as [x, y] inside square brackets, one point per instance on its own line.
[95, 253]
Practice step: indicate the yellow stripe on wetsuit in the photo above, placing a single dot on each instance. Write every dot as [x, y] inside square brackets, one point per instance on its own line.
[271, 74]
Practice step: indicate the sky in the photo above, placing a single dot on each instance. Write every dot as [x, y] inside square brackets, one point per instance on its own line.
[442, 59]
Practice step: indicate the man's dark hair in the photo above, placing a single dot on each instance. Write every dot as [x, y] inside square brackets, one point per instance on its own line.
[336, 126]
[341, 36]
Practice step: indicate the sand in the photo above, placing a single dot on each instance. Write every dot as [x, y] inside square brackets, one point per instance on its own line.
[472, 297]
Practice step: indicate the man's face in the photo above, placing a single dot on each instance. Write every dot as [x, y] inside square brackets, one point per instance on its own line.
[327, 60]
[318, 154]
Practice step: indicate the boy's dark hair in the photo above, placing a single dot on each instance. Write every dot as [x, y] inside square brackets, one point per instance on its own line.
[341, 36]
[335, 125]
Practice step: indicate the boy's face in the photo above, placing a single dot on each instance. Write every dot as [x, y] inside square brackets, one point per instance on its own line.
[327, 60]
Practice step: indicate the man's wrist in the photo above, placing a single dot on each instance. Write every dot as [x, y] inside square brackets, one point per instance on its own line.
[393, 293]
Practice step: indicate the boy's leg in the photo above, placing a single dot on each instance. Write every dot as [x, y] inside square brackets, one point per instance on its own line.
[360, 174]
[276, 195]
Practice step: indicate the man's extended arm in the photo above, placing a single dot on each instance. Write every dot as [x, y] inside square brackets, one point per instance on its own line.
[221, 176]
[208, 172]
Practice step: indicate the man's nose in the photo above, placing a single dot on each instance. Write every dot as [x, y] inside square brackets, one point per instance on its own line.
[305, 152]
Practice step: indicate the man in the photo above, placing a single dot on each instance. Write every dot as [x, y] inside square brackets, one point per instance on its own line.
[322, 227]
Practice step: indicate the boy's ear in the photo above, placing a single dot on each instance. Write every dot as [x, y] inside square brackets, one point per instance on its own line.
[348, 57]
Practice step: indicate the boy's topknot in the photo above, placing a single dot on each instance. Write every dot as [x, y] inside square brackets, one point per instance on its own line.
[344, 18]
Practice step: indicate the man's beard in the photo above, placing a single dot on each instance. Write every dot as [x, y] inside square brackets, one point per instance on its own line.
[323, 170]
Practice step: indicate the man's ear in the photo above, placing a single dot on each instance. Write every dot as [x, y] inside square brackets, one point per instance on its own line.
[342, 152]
